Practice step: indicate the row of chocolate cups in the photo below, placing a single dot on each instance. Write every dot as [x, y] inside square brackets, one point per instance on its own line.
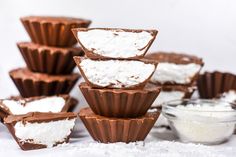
[44, 84]
[116, 76]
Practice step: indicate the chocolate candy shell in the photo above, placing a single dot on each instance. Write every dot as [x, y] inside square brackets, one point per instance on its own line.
[118, 102]
[211, 84]
[110, 130]
[53, 31]
[50, 60]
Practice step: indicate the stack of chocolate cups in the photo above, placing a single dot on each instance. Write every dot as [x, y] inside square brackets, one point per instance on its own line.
[115, 87]
[49, 57]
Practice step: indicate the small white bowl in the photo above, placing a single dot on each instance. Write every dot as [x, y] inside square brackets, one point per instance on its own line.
[201, 120]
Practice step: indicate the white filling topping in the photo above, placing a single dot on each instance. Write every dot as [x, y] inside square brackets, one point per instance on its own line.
[116, 73]
[50, 104]
[175, 73]
[165, 96]
[229, 96]
[111, 43]
[46, 133]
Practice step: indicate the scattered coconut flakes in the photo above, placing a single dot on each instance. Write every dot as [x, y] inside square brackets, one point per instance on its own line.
[146, 149]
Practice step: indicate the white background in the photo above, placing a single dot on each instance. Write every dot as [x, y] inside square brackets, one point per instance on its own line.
[206, 28]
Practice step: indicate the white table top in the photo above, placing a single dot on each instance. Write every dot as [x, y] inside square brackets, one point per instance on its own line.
[158, 143]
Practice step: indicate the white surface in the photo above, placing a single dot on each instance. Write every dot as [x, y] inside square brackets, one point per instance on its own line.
[115, 43]
[205, 28]
[175, 73]
[50, 104]
[116, 73]
[47, 134]
[81, 144]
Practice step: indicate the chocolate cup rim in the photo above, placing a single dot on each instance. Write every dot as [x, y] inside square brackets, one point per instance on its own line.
[78, 60]
[52, 49]
[120, 90]
[64, 21]
[23, 117]
[217, 71]
[70, 77]
[91, 54]
[152, 115]
[198, 61]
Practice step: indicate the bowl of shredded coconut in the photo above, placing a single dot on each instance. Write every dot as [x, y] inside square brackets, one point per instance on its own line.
[201, 120]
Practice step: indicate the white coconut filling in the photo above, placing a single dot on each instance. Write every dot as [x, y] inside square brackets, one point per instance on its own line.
[175, 73]
[112, 43]
[50, 104]
[166, 96]
[229, 96]
[116, 73]
[46, 133]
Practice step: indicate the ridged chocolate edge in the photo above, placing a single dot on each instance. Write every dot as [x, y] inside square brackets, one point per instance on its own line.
[52, 34]
[30, 88]
[49, 61]
[110, 131]
[119, 103]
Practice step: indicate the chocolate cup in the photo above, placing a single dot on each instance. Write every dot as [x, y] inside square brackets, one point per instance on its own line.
[176, 58]
[50, 60]
[119, 103]
[211, 84]
[70, 104]
[53, 31]
[141, 85]
[110, 130]
[31, 146]
[32, 84]
[91, 54]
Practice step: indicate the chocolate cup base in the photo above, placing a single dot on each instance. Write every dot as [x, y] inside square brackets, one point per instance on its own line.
[111, 130]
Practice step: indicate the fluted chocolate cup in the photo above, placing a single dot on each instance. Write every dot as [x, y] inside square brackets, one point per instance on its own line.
[211, 84]
[50, 60]
[53, 31]
[110, 130]
[32, 84]
[118, 102]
